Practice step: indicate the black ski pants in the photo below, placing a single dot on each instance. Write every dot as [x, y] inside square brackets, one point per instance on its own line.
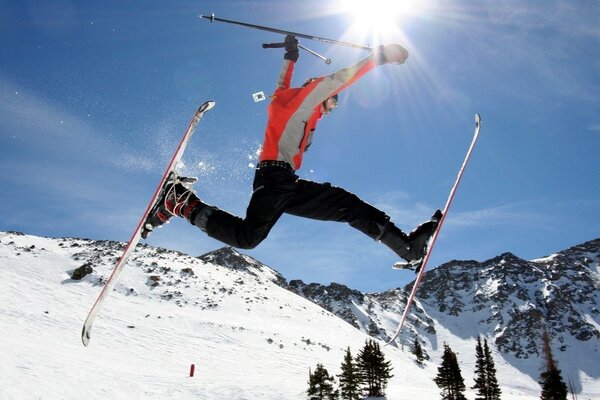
[278, 190]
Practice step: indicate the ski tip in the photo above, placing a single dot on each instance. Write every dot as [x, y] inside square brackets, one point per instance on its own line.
[206, 106]
[477, 119]
[85, 336]
[392, 341]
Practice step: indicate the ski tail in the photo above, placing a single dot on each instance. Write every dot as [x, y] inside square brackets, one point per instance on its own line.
[438, 229]
[136, 236]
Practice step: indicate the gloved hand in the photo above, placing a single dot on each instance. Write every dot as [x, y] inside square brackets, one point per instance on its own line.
[291, 43]
[291, 48]
[390, 53]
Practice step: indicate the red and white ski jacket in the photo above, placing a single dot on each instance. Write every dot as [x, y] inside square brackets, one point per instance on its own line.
[294, 112]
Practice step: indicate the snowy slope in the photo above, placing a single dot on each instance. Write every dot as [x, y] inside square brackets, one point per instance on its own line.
[249, 336]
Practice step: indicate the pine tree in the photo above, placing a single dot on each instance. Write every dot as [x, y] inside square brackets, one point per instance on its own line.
[375, 371]
[418, 352]
[383, 369]
[494, 391]
[350, 380]
[480, 375]
[553, 387]
[449, 378]
[486, 382]
[320, 385]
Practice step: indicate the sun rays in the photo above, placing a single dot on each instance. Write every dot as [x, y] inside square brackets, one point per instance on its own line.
[378, 16]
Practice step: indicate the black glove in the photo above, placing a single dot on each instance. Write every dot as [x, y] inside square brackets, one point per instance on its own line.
[291, 48]
[291, 43]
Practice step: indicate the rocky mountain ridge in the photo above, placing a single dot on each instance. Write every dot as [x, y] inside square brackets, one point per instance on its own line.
[508, 299]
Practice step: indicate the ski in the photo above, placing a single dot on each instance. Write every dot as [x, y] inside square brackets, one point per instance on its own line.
[137, 233]
[420, 266]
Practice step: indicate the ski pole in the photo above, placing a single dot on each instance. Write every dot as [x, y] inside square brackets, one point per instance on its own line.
[314, 53]
[212, 18]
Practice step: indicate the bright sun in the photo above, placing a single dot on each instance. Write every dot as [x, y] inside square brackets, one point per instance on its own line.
[378, 16]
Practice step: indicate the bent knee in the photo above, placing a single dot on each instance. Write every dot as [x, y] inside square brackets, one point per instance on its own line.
[249, 244]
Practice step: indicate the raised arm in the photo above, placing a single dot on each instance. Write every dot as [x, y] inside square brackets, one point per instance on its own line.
[284, 80]
[327, 86]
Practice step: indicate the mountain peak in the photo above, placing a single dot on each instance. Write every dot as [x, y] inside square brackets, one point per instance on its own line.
[506, 258]
[229, 257]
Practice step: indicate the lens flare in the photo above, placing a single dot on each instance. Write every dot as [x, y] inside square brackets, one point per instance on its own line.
[379, 15]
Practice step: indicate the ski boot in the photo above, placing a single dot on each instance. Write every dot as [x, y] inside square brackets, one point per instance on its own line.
[418, 241]
[399, 242]
[176, 198]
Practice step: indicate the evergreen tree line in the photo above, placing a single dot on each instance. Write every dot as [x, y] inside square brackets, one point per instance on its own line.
[449, 378]
[452, 385]
[369, 373]
[365, 375]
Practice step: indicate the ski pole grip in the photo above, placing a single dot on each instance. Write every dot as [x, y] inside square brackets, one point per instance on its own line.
[273, 45]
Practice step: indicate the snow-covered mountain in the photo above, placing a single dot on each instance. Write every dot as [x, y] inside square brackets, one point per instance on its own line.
[253, 335]
[507, 299]
[517, 297]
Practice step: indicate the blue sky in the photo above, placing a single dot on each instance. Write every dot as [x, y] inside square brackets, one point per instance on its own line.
[95, 95]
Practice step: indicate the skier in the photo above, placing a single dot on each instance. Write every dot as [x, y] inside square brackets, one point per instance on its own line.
[292, 117]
